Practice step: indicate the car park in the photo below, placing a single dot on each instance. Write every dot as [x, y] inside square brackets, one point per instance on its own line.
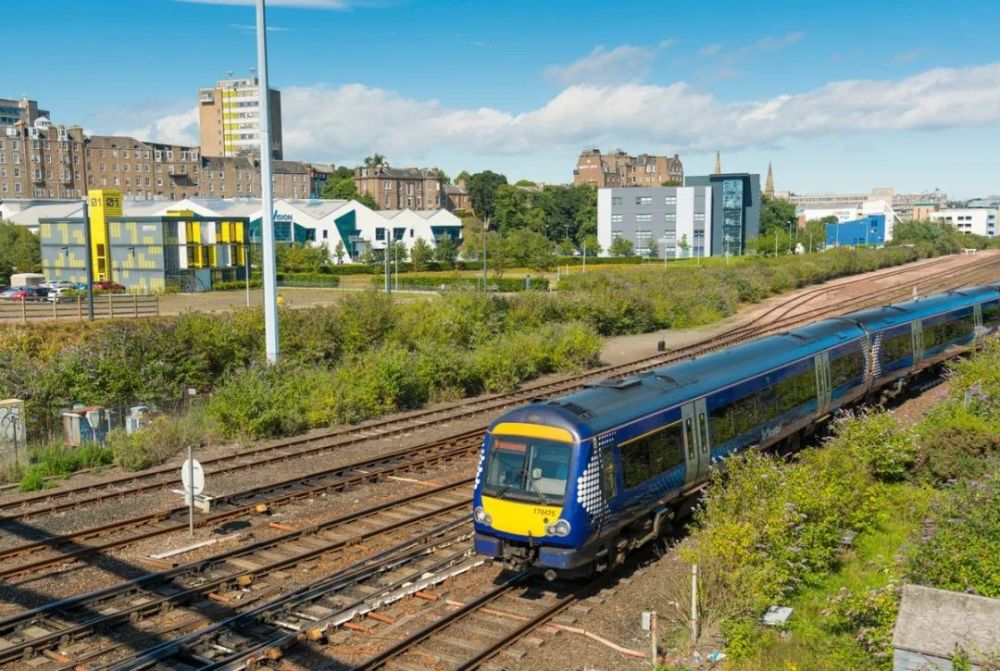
[58, 284]
[62, 294]
[30, 294]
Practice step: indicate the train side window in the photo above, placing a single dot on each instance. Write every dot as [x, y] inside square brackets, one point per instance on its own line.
[991, 315]
[846, 368]
[635, 463]
[945, 333]
[796, 389]
[689, 432]
[608, 475]
[897, 347]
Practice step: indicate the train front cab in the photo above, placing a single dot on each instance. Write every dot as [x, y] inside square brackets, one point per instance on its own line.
[522, 512]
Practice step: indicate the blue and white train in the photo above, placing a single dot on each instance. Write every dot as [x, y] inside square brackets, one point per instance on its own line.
[572, 485]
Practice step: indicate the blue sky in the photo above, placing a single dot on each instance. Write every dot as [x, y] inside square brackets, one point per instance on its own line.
[857, 95]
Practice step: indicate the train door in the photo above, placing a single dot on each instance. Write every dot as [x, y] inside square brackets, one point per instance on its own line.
[917, 334]
[823, 390]
[696, 440]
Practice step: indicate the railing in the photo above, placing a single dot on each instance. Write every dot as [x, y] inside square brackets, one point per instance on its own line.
[106, 306]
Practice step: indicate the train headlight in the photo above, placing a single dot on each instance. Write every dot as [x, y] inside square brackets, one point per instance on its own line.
[559, 528]
[482, 516]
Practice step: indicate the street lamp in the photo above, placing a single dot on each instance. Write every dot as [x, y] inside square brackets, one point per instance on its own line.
[486, 227]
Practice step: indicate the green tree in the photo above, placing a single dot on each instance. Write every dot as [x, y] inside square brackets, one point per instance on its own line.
[420, 254]
[20, 251]
[621, 247]
[590, 244]
[446, 252]
[528, 249]
[654, 250]
[463, 177]
[525, 183]
[516, 208]
[299, 258]
[370, 257]
[345, 189]
[775, 213]
[814, 234]
[399, 252]
[339, 252]
[375, 160]
[684, 246]
[482, 189]
[671, 182]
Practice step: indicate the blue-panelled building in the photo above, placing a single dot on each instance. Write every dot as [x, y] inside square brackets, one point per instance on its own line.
[868, 231]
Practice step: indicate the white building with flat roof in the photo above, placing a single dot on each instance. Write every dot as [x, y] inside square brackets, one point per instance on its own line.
[975, 220]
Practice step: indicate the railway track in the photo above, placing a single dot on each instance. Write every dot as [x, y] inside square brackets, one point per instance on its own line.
[228, 584]
[276, 452]
[216, 646]
[58, 550]
[50, 551]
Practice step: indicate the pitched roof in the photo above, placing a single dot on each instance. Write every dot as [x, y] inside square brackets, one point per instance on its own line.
[316, 208]
[935, 621]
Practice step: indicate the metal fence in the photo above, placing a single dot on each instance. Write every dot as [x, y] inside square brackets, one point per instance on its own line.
[106, 306]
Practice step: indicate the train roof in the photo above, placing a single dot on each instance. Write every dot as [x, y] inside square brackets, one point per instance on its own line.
[608, 403]
[887, 316]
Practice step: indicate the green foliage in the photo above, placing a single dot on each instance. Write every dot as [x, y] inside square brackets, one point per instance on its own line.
[300, 258]
[879, 441]
[57, 460]
[262, 401]
[767, 529]
[775, 213]
[961, 539]
[421, 253]
[868, 615]
[20, 251]
[162, 439]
[446, 252]
[343, 188]
[743, 636]
[482, 188]
[621, 247]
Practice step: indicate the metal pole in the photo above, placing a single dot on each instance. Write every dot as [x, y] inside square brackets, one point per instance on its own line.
[190, 491]
[486, 226]
[388, 268]
[585, 256]
[652, 638]
[694, 602]
[246, 272]
[395, 258]
[267, 204]
[88, 261]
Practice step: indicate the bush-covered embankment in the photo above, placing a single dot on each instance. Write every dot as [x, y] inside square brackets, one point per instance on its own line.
[924, 499]
[366, 356]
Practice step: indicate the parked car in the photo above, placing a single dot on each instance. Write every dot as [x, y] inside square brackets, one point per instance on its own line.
[63, 294]
[109, 287]
[57, 284]
[26, 294]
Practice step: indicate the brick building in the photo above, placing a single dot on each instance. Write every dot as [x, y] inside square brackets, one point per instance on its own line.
[402, 188]
[620, 169]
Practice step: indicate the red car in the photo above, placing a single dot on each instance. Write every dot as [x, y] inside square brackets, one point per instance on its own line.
[109, 287]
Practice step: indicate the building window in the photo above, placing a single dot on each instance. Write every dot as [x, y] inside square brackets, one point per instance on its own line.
[616, 200]
[670, 200]
[643, 200]
[380, 234]
[670, 218]
[699, 217]
[643, 218]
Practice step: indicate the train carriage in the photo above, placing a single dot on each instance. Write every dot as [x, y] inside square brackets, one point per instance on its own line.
[573, 484]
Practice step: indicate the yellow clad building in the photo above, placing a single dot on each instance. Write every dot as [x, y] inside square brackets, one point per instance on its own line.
[177, 250]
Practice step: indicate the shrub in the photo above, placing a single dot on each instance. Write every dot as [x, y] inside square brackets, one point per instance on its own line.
[57, 460]
[878, 440]
[161, 439]
[954, 443]
[868, 615]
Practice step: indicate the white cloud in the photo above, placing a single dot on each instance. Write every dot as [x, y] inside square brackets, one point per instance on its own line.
[180, 128]
[600, 66]
[346, 122]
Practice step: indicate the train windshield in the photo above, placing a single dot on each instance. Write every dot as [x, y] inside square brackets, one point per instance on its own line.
[527, 469]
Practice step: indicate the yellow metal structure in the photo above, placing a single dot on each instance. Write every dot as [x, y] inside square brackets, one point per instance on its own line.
[103, 203]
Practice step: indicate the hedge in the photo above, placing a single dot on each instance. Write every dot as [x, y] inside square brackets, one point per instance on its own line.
[506, 284]
[284, 280]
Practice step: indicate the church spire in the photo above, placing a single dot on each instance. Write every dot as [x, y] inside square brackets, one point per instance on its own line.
[769, 184]
[718, 163]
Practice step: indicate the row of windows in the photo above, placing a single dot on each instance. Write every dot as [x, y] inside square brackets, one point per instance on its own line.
[897, 347]
[759, 407]
[949, 331]
[644, 200]
[652, 454]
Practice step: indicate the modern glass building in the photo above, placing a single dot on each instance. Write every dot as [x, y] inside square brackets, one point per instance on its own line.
[735, 216]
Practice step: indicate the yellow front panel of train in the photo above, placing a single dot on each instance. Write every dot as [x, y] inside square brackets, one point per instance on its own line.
[519, 518]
